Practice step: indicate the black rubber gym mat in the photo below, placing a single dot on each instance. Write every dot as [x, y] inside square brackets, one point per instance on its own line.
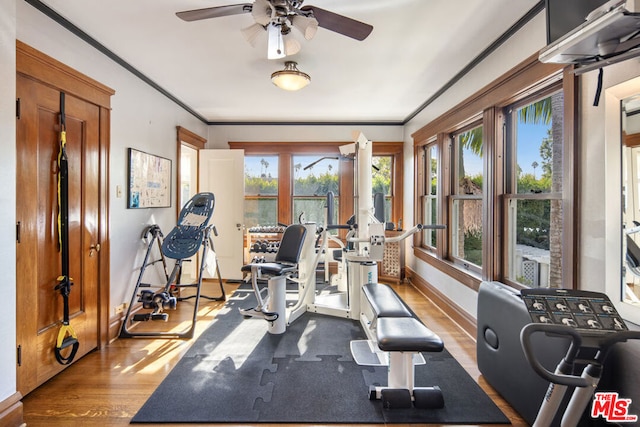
[236, 372]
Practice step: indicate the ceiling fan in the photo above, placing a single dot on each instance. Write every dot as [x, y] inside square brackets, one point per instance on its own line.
[277, 17]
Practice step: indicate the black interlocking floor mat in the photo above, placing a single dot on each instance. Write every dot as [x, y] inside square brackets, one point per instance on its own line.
[236, 372]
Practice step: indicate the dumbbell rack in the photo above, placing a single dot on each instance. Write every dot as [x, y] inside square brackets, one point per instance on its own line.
[262, 243]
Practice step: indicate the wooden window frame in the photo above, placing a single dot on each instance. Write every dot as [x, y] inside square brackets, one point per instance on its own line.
[526, 78]
[286, 150]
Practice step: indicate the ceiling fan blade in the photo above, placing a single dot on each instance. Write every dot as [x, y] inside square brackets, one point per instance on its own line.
[339, 23]
[214, 12]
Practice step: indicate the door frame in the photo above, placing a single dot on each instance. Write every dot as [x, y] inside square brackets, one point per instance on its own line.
[35, 65]
[187, 138]
[193, 141]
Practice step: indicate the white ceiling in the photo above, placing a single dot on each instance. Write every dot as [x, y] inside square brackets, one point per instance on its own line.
[416, 48]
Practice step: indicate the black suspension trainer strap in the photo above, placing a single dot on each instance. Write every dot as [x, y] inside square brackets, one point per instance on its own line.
[66, 336]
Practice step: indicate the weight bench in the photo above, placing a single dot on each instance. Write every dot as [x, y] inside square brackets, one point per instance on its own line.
[398, 333]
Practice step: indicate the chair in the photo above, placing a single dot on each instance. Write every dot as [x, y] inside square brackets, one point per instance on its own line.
[272, 308]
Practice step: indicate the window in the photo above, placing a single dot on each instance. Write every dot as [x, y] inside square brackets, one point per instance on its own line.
[260, 190]
[282, 181]
[466, 206]
[498, 171]
[313, 178]
[381, 180]
[533, 214]
[430, 197]
[188, 174]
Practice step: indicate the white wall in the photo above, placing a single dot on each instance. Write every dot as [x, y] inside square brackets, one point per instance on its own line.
[220, 135]
[8, 198]
[526, 42]
[141, 118]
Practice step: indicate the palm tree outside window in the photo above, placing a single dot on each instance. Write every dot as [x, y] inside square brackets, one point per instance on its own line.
[260, 190]
[534, 214]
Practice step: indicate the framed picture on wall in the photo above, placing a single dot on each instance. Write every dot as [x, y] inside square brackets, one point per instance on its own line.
[149, 181]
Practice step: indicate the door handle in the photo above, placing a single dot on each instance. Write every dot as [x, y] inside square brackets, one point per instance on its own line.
[93, 249]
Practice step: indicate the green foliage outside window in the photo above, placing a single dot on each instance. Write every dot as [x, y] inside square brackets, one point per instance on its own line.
[381, 178]
[259, 186]
[313, 185]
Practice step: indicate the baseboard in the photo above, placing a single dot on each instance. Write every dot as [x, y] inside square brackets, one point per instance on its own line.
[11, 414]
[466, 322]
[115, 324]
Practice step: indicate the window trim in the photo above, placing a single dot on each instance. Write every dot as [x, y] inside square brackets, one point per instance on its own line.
[528, 77]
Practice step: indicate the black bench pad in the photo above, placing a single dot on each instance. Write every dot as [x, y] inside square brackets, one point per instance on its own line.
[271, 268]
[406, 334]
[384, 301]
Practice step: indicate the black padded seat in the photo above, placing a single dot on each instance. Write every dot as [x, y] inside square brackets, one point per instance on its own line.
[288, 254]
[384, 301]
[406, 334]
[271, 268]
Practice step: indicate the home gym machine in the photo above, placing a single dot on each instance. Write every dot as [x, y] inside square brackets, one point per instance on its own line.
[592, 324]
[365, 247]
[192, 232]
[396, 337]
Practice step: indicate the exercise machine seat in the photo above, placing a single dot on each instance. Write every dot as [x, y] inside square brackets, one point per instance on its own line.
[288, 254]
[406, 334]
[384, 302]
[273, 308]
[271, 268]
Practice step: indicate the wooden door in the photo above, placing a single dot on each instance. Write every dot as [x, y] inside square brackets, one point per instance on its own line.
[39, 305]
[222, 173]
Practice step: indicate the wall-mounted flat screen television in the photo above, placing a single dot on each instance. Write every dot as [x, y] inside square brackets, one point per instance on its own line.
[564, 16]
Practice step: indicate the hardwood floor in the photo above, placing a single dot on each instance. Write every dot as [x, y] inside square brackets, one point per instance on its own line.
[107, 387]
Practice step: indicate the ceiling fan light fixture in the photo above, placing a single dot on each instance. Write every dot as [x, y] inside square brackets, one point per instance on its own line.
[291, 45]
[262, 12]
[308, 26]
[252, 32]
[290, 78]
